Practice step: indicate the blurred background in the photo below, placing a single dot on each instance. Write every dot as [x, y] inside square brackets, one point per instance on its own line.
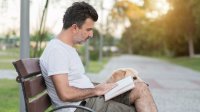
[163, 29]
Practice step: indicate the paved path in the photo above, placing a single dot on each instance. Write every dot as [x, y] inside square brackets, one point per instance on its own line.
[175, 88]
[8, 74]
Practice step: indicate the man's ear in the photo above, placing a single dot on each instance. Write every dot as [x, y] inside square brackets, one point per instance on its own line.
[74, 28]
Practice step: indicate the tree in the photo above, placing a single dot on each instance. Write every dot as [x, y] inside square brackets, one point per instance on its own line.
[176, 33]
[196, 11]
[126, 11]
[180, 23]
[42, 32]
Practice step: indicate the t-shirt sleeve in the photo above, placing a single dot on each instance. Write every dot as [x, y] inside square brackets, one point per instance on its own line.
[58, 63]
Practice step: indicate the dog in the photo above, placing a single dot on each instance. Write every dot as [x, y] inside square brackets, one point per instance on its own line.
[125, 72]
[122, 73]
[134, 94]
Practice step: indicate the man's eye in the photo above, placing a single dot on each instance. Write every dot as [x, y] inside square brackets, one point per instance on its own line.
[90, 29]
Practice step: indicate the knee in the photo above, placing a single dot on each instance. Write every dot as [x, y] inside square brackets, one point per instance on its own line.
[140, 90]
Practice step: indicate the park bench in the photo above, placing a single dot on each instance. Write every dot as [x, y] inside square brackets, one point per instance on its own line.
[34, 88]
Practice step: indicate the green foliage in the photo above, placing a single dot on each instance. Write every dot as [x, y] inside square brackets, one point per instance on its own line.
[126, 9]
[94, 44]
[96, 66]
[38, 42]
[94, 41]
[108, 40]
[94, 55]
[169, 34]
[180, 26]
[142, 39]
[9, 95]
[196, 12]
[44, 36]
[41, 35]
[196, 43]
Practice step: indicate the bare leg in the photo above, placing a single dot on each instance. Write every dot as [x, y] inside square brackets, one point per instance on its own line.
[142, 99]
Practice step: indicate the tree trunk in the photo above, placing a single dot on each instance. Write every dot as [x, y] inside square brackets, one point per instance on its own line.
[191, 46]
[130, 50]
[41, 31]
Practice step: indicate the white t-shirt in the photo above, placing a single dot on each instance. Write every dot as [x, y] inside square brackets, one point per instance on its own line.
[60, 58]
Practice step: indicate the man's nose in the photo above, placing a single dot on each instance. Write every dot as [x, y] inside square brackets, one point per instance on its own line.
[91, 34]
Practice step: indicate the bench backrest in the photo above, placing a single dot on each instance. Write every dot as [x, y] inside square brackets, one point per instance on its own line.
[33, 85]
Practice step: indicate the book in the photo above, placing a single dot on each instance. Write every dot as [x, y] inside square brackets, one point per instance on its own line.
[123, 86]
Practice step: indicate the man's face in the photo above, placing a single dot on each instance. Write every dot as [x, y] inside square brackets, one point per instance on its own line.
[85, 32]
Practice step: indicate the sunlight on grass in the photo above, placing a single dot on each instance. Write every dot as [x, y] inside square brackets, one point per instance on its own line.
[6, 65]
[7, 56]
[95, 66]
[12, 50]
[9, 95]
[193, 63]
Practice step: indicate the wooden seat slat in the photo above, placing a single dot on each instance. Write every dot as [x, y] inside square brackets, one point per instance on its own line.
[40, 105]
[34, 86]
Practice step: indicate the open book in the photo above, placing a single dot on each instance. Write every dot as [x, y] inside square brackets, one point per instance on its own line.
[123, 86]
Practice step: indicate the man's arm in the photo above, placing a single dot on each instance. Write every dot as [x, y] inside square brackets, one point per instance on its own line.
[70, 93]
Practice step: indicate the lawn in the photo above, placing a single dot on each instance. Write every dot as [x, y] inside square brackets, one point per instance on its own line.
[9, 95]
[7, 56]
[96, 66]
[6, 65]
[193, 63]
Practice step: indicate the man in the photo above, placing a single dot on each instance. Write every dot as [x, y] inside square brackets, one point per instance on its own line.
[64, 73]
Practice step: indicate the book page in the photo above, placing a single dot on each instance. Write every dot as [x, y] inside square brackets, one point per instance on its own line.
[122, 86]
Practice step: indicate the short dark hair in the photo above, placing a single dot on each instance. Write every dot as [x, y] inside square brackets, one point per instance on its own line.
[78, 13]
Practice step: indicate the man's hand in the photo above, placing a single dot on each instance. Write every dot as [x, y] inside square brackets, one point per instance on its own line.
[103, 88]
[69, 93]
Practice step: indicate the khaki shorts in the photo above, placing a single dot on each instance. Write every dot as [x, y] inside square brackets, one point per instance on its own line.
[120, 103]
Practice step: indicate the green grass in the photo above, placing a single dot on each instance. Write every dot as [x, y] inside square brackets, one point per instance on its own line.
[12, 50]
[7, 56]
[6, 65]
[13, 54]
[96, 66]
[9, 95]
[193, 63]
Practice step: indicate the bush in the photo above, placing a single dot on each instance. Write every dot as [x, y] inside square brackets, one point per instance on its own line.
[94, 55]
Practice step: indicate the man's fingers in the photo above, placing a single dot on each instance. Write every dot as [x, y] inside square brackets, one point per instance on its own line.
[112, 85]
